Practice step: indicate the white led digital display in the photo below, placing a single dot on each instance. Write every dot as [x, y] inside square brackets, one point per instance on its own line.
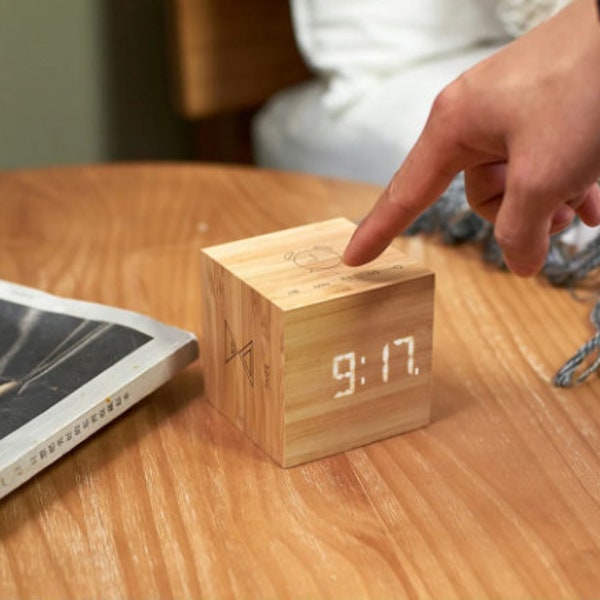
[351, 374]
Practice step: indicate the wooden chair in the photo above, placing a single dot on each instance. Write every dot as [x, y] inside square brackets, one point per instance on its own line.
[228, 57]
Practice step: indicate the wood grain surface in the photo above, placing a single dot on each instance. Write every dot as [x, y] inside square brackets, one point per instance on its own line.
[498, 498]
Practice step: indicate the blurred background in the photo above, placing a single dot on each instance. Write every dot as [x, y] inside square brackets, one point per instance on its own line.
[86, 81]
[339, 88]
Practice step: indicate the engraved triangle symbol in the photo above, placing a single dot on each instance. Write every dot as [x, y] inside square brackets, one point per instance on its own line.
[246, 353]
[230, 345]
[247, 358]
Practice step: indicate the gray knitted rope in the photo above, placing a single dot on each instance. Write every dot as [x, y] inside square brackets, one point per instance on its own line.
[452, 218]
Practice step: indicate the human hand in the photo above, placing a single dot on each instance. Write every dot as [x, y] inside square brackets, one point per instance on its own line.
[524, 125]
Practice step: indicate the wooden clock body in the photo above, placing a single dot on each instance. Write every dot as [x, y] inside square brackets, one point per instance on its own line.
[310, 357]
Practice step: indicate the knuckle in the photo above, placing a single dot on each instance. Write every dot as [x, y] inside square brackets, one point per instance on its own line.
[526, 181]
[449, 126]
[447, 104]
[510, 240]
[397, 204]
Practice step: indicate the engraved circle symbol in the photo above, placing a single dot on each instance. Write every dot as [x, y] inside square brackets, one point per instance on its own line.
[317, 258]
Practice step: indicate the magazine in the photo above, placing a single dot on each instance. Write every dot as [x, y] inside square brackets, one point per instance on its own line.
[69, 367]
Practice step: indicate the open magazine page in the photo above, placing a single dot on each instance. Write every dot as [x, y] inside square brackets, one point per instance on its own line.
[68, 368]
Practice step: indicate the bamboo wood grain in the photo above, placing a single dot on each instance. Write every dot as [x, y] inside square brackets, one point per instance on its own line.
[498, 497]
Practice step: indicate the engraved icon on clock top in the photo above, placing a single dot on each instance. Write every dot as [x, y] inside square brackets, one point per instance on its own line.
[317, 258]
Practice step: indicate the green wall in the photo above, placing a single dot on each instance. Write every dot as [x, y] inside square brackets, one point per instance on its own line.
[85, 81]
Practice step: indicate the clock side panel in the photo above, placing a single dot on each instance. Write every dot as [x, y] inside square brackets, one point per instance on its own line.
[357, 369]
[242, 342]
[265, 418]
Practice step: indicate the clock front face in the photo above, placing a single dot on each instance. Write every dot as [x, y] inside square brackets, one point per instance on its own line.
[362, 354]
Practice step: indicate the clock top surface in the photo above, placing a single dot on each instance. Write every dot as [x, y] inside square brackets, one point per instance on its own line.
[303, 265]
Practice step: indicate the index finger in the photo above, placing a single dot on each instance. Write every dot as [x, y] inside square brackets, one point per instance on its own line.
[427, 171]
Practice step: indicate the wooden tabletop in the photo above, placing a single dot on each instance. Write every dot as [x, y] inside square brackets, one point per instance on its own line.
[498, 498]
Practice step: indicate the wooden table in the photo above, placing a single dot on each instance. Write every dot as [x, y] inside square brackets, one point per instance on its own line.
[498, 497]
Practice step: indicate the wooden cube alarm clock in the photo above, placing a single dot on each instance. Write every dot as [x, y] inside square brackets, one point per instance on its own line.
[310, 357]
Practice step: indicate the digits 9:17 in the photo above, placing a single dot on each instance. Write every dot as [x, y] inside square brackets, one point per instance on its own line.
[347, 367]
